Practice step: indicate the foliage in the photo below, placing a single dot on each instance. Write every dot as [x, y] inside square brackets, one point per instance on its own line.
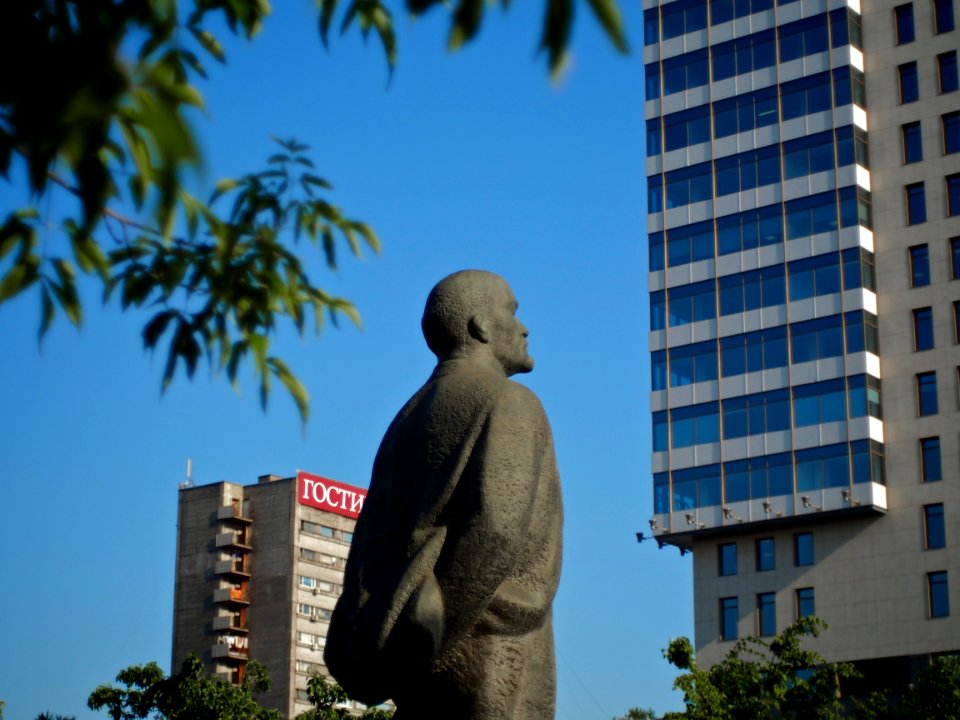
[191, 694]
[759, 679]
[328, 700]
[95, 108]
[934, 693]
[50, 716]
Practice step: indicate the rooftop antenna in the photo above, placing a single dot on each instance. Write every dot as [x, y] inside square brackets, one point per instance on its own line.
[189, 481]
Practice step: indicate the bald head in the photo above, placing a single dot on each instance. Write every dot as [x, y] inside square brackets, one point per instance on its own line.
[474, 311]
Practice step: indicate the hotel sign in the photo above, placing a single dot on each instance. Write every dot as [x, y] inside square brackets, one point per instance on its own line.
[326, 494]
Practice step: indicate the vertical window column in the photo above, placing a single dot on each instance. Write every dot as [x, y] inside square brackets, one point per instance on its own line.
[765, 554]
[930, 467]
[903, 17]
[912, 142]
[916, 199]
[938, 594]
[766, 614]
[947, 72]
[729, 615]
[919, 266]
[927, 393]
[934, 528]
[909, 82]
[923, 329]
[805, 602]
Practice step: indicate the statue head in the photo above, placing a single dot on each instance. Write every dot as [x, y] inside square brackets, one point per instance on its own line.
[472, 313]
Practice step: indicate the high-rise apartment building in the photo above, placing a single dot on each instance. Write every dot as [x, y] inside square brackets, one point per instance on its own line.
[803, 167]
[259, 570]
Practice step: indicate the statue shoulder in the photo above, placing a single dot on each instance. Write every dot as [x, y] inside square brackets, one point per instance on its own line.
[519, 399]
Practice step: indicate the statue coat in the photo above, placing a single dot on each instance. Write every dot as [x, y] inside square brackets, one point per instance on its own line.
[456, 557]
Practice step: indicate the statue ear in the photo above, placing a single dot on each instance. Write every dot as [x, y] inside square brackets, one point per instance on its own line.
[479, 328]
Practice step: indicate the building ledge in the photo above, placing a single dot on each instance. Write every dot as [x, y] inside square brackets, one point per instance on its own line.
[685, 539]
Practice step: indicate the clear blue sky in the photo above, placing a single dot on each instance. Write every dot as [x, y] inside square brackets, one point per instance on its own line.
[465, 160]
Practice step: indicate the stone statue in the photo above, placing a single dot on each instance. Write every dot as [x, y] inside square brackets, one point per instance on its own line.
[446, 604]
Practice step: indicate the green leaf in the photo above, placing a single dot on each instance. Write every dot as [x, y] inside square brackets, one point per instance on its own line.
[369, 235]
[154, 329]
[222, 186]
[556, 33]
[47, 311]
[327, 9]
[237, 352]
[209, 43]
[296, 389]
[306, 179]
[608, 15]
[66, 291]
[466, 22]
[259, 345]
[21, 276]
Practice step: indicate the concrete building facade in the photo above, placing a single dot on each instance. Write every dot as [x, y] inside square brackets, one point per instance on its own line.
[259, 570]
[803, 166]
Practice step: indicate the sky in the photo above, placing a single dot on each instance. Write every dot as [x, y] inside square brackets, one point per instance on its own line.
[466, 160]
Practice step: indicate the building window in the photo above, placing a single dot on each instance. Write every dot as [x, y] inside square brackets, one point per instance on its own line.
[923, 329]
[765, 554]
[919, 266]
[938, 594]
[955, 258]
[930, 468]
[950, 124]
[729, 615]
[947, 67]
[934, 528]
[309, 583]
[316, 529]
[803, 549]
[805, 603]
[927, 393]
[695, 425]
[909, 83]
[943, 16]
[317, 557]
[953, 194]
[916, 204]
[904, 21]
[727, 558]
[767, 614]
[911, 142]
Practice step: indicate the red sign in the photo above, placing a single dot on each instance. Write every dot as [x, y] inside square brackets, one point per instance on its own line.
[326, 494]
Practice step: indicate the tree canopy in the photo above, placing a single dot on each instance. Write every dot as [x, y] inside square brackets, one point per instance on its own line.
[762, 679]
[329, 703]
[190, 694]
[97, 112]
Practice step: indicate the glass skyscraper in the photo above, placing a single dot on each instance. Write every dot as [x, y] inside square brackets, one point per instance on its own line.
[803, 175]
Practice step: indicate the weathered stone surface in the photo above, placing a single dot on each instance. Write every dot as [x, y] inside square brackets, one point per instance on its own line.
[456, 556]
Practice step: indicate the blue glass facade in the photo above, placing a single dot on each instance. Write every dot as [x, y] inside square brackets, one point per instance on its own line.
[762, 279]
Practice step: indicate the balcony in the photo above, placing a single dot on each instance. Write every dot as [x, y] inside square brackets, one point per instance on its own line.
[231, 596]
[237, 567]
[233, 513]
[231, 623]
[233, 649]
[232, 541]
